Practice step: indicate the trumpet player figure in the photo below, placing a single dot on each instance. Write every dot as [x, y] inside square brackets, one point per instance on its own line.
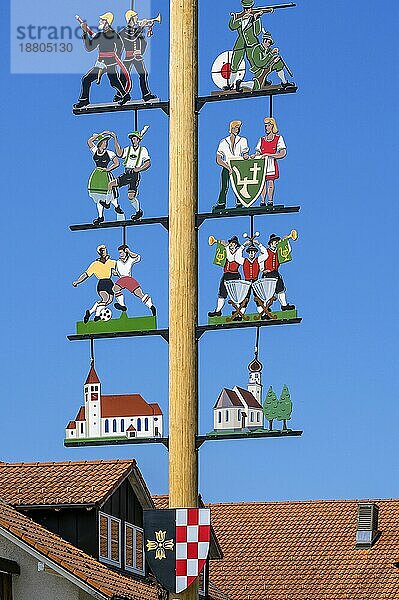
[110, 46]
[272, 264]
[233, 260]
[272, 147]
[135, 43]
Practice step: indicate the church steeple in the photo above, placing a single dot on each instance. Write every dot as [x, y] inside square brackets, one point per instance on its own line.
[255, 373]
[92, 395]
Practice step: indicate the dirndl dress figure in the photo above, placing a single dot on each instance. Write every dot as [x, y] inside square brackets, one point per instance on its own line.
[99, 181]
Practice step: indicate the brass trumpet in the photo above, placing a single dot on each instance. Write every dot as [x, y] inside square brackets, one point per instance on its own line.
[150, 23]
[212, 240]
[292, 236]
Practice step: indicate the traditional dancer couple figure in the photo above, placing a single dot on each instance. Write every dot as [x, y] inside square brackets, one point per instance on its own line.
[103, 187]
[104, 268]
[266, 264]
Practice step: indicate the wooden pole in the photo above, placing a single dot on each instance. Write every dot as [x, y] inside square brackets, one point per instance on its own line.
[183, 288]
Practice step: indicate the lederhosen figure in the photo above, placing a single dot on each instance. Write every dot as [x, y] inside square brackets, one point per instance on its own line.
[136, 159]
[110, 48]
[135, 45]
[271, 271]
[234, 259]
[98, 185]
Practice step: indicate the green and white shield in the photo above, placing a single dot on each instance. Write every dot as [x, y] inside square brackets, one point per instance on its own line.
[248, 178]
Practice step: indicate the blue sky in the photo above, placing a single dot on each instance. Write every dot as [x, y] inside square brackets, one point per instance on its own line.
[341, 130]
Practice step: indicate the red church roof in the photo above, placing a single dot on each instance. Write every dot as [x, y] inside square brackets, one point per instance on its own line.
[249, 398]
[127, 405]
[131, 428]
[92, 376]
[81, 416]
[71, 425]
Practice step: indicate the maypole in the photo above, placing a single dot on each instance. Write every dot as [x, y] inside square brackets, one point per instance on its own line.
[183, 288]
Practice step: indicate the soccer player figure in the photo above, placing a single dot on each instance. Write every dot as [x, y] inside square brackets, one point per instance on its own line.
[136, 160]
[233, 146]
[135, 45]
[273, 147]
[110, 48]
[234, 259]
[102, 269]
[106, 162]
[125, 281]
[253, 265]
[271, 271]
[266, 60]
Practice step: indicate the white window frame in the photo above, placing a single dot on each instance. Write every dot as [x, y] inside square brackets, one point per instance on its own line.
[105, 559]
[129, 567]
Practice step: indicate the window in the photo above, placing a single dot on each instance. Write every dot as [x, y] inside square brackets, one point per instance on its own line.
[5, 586]
[239, 415]
[219, 416]
[122, 425]
[202, 582]
[81, 428]
[134, 549]
[114, 426]
[110, 539]
[146, 424]
[252, 417]
[227, 415]
[138, 424]
[258, 417]
[106, 426]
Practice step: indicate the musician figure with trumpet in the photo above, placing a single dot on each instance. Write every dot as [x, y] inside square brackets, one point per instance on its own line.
[135, 43]
[279, 252]
[231, 259]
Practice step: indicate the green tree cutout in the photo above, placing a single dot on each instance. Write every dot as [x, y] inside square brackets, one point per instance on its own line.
[284, 407]
[270, 407]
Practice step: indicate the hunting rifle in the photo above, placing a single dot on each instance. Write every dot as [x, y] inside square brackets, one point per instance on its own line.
[263, 9]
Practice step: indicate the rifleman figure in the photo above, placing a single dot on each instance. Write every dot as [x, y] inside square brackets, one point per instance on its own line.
[106, 161]
[271, 146]
[133, 36]
[233, 146]
[266, 60]
[110, 47]
[248, 26]
[136, 159]
[271, 266]
[234, 259]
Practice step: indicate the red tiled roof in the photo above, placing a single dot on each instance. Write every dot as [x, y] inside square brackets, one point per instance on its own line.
[86, 569]
[92, 376]
[232, 397]
[249, 398]
[161, 501]
[126, 405]
[81, 416]
[71, 425]
[303, 551]
[81, 482]
[131, 428]
[156, 409]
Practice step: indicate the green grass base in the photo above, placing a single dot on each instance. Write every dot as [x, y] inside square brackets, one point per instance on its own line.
[123, 324]
[282, 315]
[97, 439]
[246, 432]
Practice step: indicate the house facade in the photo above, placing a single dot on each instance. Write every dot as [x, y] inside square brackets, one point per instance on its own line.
[113, 416]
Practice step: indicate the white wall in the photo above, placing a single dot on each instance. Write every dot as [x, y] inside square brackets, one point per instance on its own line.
[34, 585]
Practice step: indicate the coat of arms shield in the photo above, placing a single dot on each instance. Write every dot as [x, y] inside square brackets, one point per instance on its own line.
[248, 178]
[177, 545]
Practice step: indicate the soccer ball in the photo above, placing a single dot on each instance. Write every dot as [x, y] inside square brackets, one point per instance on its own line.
[105, 314]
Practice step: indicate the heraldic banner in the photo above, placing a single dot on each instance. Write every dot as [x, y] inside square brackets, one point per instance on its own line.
[284, 251]
[177, 545]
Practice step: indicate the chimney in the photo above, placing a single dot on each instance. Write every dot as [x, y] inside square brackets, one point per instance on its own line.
[367, 525]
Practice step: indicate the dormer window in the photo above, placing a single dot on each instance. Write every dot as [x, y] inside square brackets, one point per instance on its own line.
[134, 549]
[109, 539]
